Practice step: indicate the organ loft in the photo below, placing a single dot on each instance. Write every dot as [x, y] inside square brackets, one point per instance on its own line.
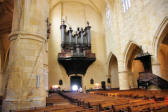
[76, 55]
[83, 55]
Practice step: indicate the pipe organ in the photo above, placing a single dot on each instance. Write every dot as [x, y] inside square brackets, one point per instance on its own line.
[77, 44]
[76, 55]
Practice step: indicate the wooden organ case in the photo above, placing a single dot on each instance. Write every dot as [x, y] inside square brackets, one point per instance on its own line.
[76, 55]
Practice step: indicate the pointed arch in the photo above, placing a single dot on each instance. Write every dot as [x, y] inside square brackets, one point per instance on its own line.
[128, 52]
[90, 4]
[132, 66]
[113, 70]
[160, 35]
[160, 48]
[109, 58]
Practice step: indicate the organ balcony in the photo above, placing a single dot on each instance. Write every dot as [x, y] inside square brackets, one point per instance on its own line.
[76, 55]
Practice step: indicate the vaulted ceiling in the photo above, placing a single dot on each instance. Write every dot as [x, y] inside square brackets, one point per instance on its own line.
[98, 5]
[6, 10]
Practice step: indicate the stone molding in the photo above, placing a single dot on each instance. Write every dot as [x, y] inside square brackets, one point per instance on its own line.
[18, 100]
[155, 61]
[123, 71]
[158, 64]
[34, 36]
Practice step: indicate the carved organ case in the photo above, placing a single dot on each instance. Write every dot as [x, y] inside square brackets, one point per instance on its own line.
[76, 55]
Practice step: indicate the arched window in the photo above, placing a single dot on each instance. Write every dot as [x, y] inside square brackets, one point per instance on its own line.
[108, 16]
[126, 4]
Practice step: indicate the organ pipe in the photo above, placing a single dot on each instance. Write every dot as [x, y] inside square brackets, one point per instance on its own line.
[78, 42]
[76, 38]
[63, 32]
[87, 29]
[81, 36]
[70, 35]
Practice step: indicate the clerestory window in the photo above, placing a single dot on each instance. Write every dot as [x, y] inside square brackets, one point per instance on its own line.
[108, 16]
[126, 4]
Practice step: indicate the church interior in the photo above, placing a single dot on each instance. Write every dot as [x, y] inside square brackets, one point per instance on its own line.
[83, 55]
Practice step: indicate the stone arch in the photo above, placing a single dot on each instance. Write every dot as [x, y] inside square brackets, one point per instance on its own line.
[92, 5]
[109, 58]
[127, 52]
[160, 48]
[160, 35]
[163, 59]
[133, 66]
[113, 71]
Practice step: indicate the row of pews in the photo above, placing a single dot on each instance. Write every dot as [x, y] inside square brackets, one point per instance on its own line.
[106, 101]
[135, 93]
[122, 101]
[57, 103]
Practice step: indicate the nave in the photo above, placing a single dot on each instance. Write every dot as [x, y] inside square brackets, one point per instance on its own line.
[107, 101]
[89, 44]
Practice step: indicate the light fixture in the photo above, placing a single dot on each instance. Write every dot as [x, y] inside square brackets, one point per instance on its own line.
[55, 86]
[74, 88]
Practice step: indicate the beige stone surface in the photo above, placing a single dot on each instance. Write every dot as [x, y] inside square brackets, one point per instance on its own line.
[138, 25]
[115, 33]
[26, 56]
[76, 14]
[123, 80]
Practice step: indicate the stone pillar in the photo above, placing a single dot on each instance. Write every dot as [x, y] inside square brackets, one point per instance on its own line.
[123, 76]
[123, 80]
[25, 87]
[156, 67]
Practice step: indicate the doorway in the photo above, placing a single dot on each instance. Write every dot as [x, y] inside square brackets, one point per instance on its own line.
[76, 83]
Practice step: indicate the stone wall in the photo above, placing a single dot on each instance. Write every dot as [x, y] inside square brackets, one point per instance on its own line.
[25, 70]
[138, 25]
[76, 14]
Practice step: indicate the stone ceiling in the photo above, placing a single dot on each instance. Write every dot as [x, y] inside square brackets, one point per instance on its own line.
[98, 5]
[6, 10]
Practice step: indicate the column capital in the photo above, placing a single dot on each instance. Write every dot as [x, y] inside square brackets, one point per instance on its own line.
[156, 64]
[122, 66]
[154, 61]
[33, 36]
[124, 71]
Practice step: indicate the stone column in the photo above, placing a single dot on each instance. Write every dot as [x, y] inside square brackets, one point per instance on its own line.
[123, 76]
[25, 87]
[123, 80]
[156, 67]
